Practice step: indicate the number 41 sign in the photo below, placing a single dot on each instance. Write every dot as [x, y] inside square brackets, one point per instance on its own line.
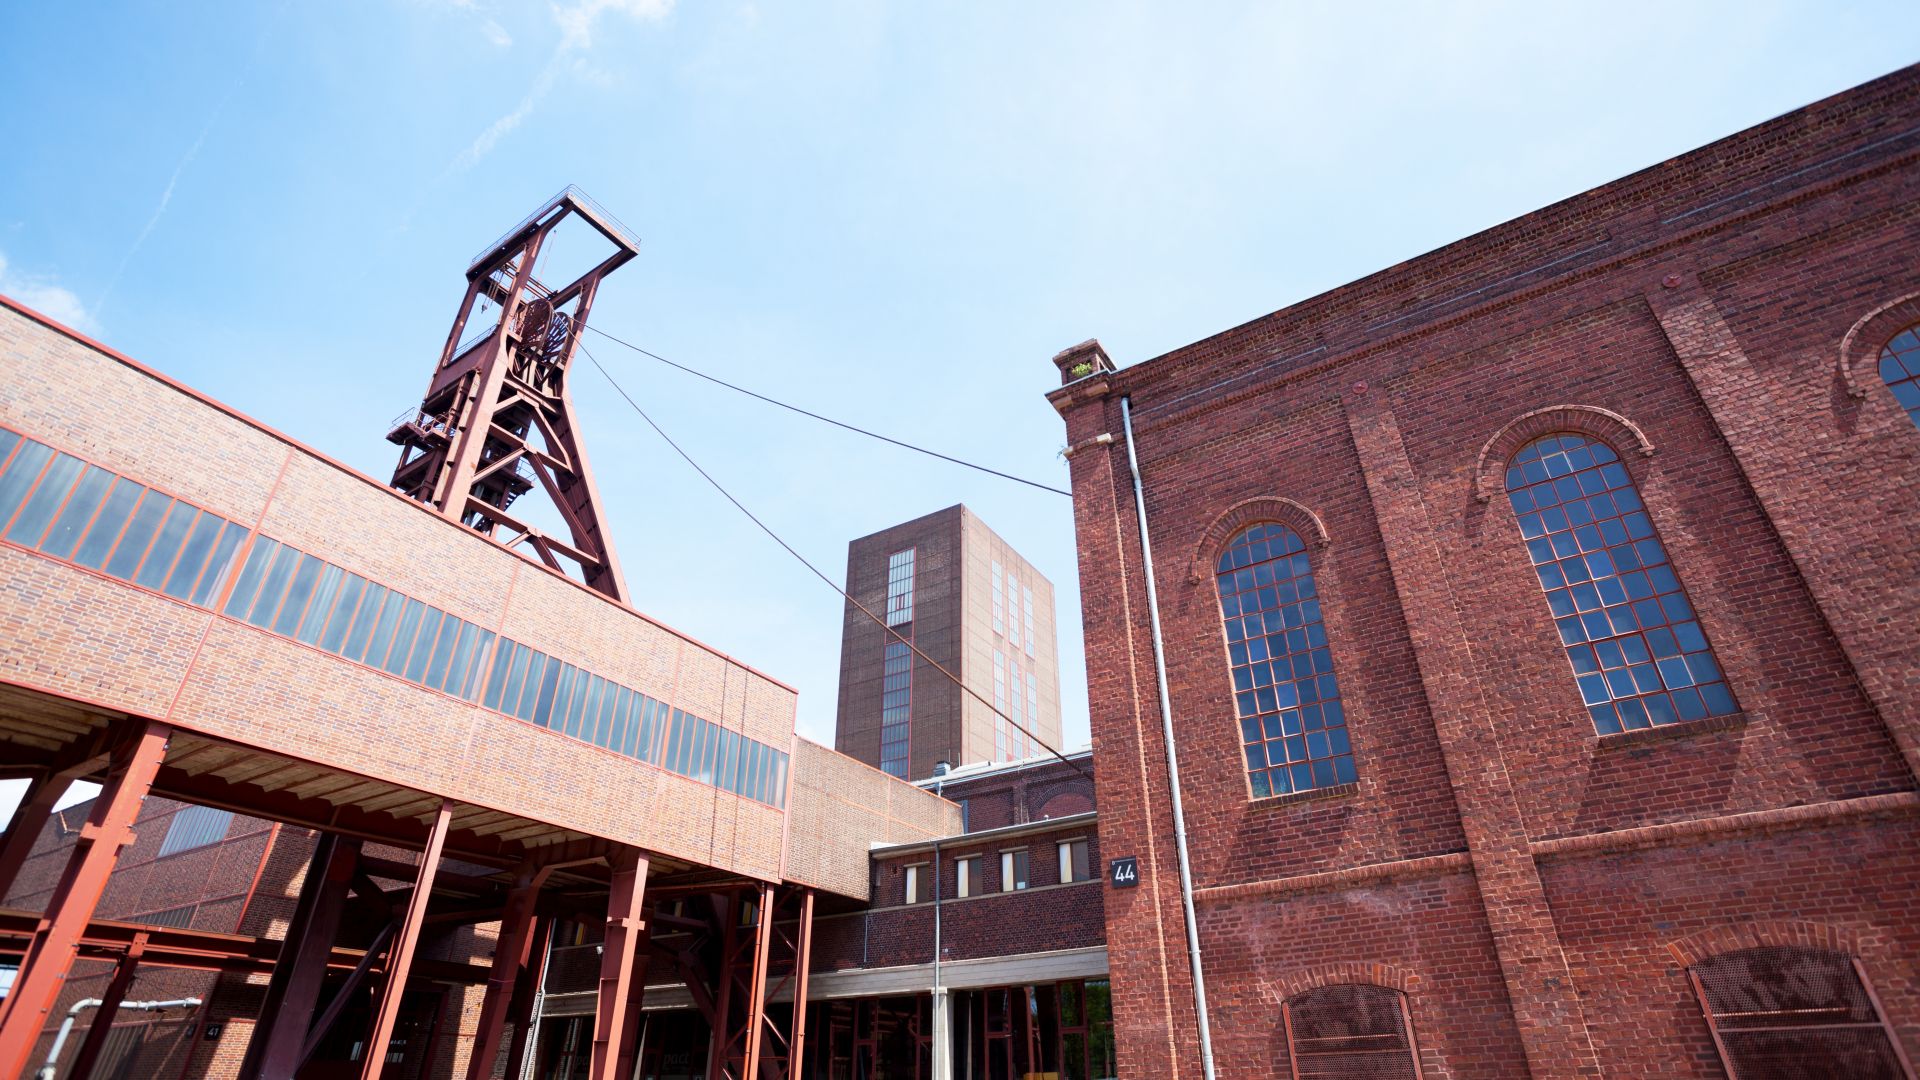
[1124, 873]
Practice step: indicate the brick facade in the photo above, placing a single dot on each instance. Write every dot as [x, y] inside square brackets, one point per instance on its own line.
[1530, 885]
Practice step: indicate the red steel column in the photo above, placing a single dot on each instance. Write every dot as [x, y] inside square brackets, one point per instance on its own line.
[610, 1029]
[509, 954]
[526, 991]
[56, 941]
[102, 1025]
[803, 963]
[294, 988]
[721, 1044]
[42, 793]
[757, 992]
[402, 956]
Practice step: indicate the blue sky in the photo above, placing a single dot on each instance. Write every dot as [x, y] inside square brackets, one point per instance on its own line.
[893, 214]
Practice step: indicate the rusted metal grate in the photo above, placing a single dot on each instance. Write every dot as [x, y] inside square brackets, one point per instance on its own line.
[1350, 1032]
[1783, 1012]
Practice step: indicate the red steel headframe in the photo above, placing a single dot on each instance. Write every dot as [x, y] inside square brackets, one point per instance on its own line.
[498, 420]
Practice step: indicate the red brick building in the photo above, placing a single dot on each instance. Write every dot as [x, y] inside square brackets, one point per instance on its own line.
[1539, 622]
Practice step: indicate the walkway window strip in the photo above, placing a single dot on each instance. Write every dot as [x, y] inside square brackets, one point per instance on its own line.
[59, 505]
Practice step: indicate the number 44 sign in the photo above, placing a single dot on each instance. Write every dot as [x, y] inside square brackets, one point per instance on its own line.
[1124, 873]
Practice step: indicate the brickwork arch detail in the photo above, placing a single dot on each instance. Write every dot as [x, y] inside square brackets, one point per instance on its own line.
[1704, 944]
[1261, 508]
[1373, 973]
[1860, 348]
[1489, 472]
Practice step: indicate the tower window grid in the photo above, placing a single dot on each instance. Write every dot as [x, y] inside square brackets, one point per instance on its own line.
[896, 678]
[1026, 596]
[999, 599]
[1639, 655]
[1292, 724]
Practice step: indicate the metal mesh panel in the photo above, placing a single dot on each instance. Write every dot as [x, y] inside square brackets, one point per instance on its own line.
[1781, 1013]
[1349, 1032]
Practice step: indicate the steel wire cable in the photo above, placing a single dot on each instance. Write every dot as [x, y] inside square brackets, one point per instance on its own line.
[789, 548]
[828, 419]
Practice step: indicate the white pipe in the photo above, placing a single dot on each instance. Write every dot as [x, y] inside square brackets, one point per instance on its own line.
[1173, 756]
[52, 1066]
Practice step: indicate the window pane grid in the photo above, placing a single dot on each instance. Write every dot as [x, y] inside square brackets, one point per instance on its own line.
[1292, 725]
[900, 587]
[1900, 368]
[1638, 653]
[896, 707]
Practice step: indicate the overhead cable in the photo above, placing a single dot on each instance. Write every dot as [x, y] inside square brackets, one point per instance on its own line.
[862, 608]
[828, 419]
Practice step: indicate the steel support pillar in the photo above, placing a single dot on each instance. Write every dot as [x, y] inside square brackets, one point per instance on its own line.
[721, 1042]
[757, 988]
[613, 1030]
[803, 964]
[293, 991]
[110, 1000]
[31, 817]
[56, 941]
[510, 954]
[526, 996]
[402, 956]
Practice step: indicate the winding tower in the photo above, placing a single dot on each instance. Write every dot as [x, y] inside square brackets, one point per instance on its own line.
[498, 422]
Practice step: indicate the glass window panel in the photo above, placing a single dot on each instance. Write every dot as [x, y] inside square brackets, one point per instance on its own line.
[107, 526]
[166, 545]
[8, 440]
[216, 570]
[609, 702]
[146, 521]
[543, 690]
[299, 595]
[482, 648]
[404, 632]
[366, 622]
[617, 726]
[649, 728]
[588, 710]
[52, 492]
[529, 706]
[1284, 663]
[193, 555]
[384, 624]
[352, 588]
[259, 557]
[559, 713]
[516, 675]
[497, 678]
[431, 620]
[1607, 538]
[449, 669]
[72, 522]
[273, 588]
[324, 594]
[20, 474]
[443, 648]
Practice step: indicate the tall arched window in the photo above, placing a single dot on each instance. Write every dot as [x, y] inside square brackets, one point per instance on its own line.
[1350, 1030]
[1291, 724]
[1638, 653]
[1787, 1011]
[1900, 367]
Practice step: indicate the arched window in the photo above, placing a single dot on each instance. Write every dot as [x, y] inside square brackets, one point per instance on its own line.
[1900, 367]
[1291, 723]
[1350, 1030]
[1783, 1011]
[1638, 654]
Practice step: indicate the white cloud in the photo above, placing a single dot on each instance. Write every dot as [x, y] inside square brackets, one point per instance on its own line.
[496, 33]
[578, 20]
[48, 299]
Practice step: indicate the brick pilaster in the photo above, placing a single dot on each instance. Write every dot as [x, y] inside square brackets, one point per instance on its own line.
[1851, 574]
[1546, 1006]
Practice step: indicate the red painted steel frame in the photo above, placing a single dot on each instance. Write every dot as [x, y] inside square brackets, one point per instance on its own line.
[509, 956]
[614, 1030]
[293, 991]
[463, 451]
[404, 941]
[56, 942]
[102, 1025]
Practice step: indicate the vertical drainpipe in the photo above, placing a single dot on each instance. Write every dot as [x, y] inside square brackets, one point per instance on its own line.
[1173, 755]
[942, 1043]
